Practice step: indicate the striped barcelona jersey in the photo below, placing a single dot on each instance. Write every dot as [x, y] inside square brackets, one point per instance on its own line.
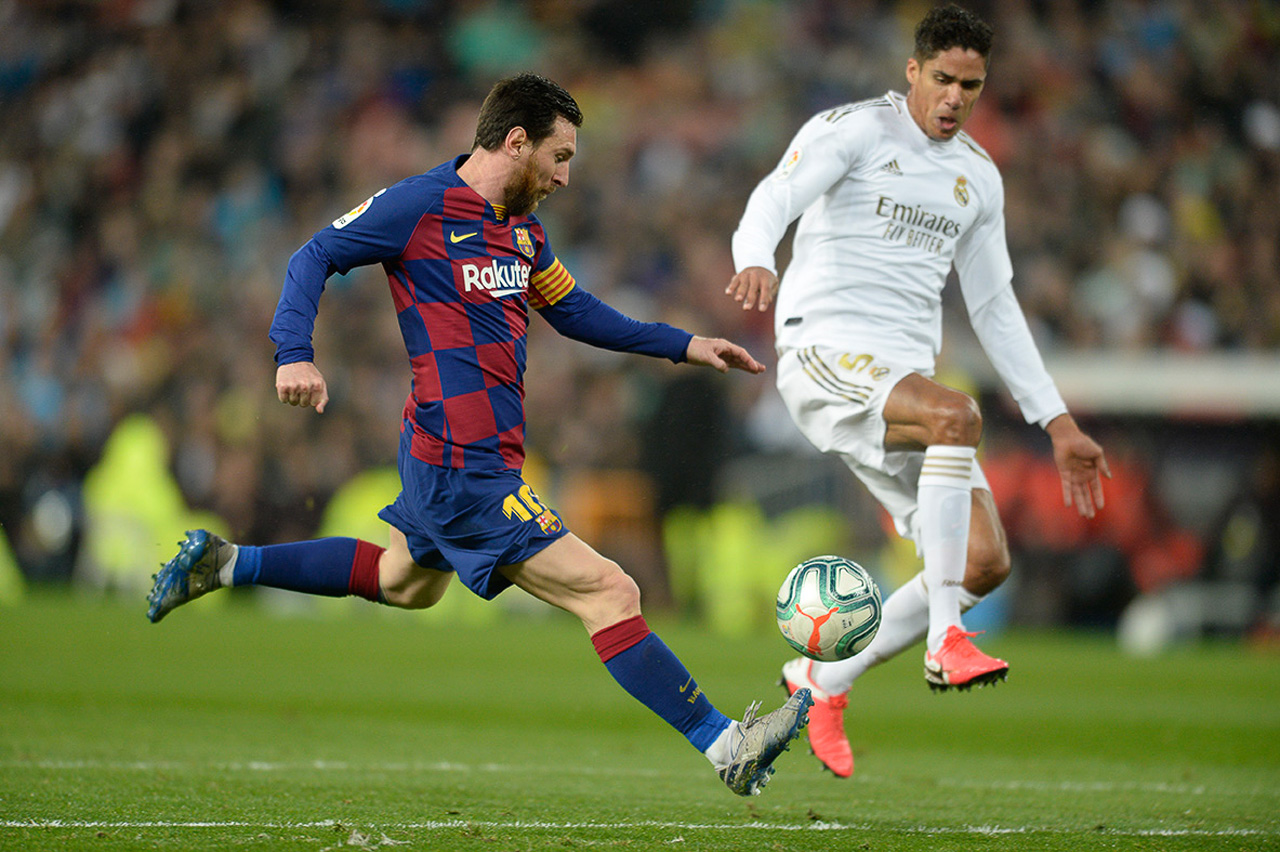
[463, 277]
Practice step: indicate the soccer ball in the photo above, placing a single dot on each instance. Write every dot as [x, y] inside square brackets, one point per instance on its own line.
[828, 608]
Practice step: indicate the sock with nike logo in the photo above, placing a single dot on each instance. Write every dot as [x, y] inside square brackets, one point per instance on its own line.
[645, 667]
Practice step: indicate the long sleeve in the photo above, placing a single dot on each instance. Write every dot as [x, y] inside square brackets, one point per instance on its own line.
[818, 157]
[986, 279]
[295, 316]
[580, 316]
[1002, 330]
[374, 232]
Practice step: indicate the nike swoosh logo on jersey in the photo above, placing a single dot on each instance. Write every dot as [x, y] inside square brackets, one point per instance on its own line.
[455, 237]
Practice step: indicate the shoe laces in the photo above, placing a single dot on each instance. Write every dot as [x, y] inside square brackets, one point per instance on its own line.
[836, 705]
[956, 635]
[738, 739]
[963, 651]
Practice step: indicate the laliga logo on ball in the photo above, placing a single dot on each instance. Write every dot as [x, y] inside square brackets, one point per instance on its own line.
[828, 608]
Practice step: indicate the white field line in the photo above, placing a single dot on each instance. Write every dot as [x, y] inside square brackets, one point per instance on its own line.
[314, 765]
[539, 825]
[1087, 787]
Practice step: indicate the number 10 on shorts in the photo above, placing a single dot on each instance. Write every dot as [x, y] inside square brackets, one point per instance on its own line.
[523, 505]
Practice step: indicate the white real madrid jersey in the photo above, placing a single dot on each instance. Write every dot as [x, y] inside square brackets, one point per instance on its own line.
[885, 212]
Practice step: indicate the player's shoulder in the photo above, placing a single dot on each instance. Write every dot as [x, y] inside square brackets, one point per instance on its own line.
[403, 201]
[969, 148]
[852, 128]
[425, 193]
[428, 184]
[854, 114]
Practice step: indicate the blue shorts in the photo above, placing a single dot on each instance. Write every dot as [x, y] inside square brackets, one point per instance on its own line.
[469, 521]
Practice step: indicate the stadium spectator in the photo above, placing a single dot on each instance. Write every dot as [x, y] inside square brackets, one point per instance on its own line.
[152, 153]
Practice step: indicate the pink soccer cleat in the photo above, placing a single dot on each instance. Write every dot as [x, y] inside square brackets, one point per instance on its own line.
[827, 739]
[960, 665]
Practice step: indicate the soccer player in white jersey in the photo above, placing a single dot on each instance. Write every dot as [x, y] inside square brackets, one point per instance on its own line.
[891, 194]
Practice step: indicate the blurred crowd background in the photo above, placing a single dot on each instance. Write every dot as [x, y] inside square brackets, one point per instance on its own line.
[161, 159]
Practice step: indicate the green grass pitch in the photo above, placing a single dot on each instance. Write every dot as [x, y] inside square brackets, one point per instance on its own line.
[233, 727]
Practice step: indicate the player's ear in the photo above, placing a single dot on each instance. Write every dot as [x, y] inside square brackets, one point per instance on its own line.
[913, 71]
[517, 139]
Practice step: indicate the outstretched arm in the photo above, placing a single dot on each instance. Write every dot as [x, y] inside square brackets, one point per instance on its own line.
[581, 316]
[1081, 464]
[721, 354]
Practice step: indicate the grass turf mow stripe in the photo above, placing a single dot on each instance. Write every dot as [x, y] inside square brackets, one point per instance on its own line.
[428, 825]
[232, 727]
[863, 778]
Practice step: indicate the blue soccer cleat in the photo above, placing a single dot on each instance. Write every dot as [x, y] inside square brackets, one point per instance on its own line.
[190, 574]
[760, 739]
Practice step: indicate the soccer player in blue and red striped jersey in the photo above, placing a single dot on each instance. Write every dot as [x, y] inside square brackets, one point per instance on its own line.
[465, 259]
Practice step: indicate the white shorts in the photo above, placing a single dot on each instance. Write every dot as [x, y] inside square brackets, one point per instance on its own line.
[837, 399]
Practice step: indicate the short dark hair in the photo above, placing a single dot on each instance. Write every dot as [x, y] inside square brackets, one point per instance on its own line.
[951, 26]
[525, 100]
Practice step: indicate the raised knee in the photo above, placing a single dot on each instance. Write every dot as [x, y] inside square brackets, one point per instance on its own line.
[618, 591]
[407, 586]
[957, 421]
[414, 596]
[401, 599]
[400, 594]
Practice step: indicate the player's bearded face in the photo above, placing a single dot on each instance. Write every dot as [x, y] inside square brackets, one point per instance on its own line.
[545, 169]
[525, 189]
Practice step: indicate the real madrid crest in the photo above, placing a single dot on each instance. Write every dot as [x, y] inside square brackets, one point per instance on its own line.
[962, 191]
[524, 242]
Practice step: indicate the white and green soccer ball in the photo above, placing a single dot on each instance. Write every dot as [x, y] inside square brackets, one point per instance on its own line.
[828, 608]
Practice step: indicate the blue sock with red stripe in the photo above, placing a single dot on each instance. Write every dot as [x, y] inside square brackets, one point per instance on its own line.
[325, 566]
[646, 668]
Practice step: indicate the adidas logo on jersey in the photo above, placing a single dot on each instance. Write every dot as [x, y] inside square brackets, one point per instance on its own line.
[891, 168]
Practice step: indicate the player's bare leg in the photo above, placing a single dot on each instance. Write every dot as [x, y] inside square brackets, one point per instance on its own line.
[946, 424]
[404, 582]
[571, 575]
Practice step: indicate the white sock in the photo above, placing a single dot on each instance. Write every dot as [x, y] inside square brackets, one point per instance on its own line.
[903, 622]
[968, 600]
[945, 504]
[720, 752]
[227, 572]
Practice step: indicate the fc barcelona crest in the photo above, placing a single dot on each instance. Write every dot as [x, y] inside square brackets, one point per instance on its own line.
[524, 242]
[549, 522]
